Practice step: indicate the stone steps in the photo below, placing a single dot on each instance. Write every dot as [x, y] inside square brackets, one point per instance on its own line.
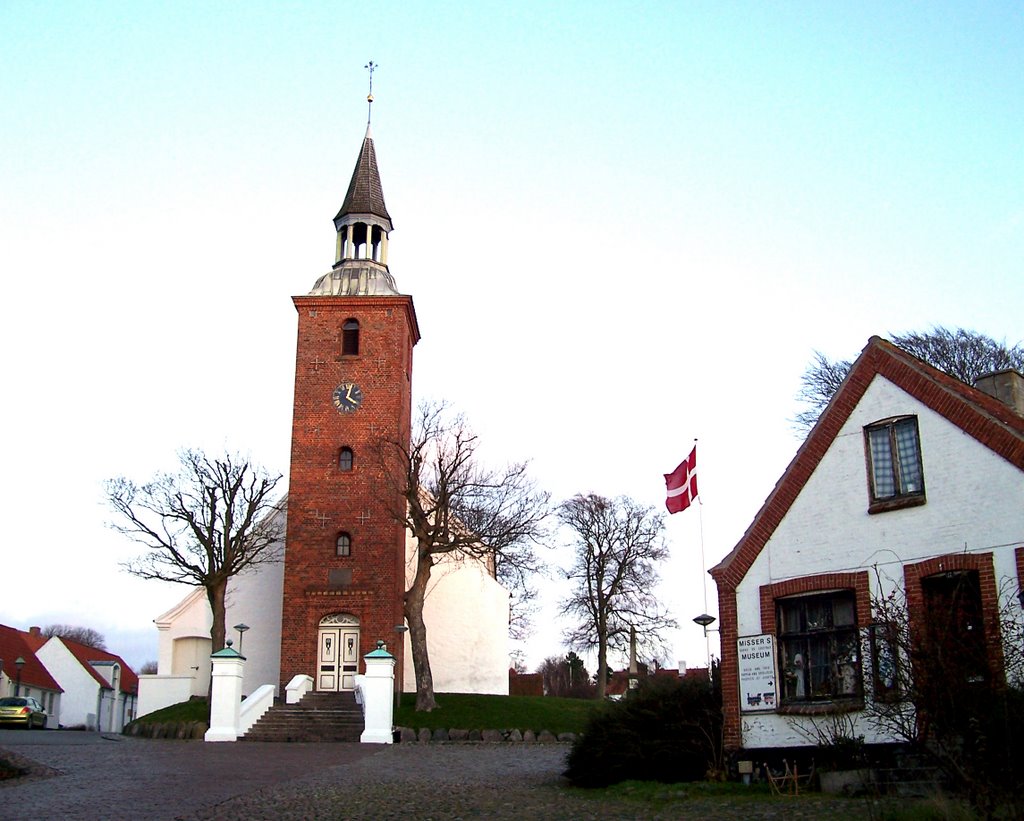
[318, 717]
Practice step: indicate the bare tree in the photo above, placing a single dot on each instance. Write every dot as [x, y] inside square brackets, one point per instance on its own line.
[818, 385]
[618, 545]
[456, 507]
[554, 673]
[148, 668]
[566, 677]
[213, 519]
[516, 570]
[961, 353]
[82, 635]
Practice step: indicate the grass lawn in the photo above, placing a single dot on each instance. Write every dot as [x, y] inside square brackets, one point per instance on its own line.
[456, 710]
[478, 712]
[195, 709]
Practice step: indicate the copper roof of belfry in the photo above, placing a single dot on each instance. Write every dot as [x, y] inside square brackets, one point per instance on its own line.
[365, 194]
[984, 418]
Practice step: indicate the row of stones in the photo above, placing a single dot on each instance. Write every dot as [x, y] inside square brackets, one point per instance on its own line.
[197, 730]
[167, 729]
[424, 734]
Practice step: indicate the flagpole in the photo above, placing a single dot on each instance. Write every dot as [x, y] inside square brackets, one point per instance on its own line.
[703, 569]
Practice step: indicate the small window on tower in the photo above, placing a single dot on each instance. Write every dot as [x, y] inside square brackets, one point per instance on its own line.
[344, 544]
[350, 337]
[345, 459]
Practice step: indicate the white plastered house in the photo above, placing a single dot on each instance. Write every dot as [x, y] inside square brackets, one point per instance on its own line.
[911, 480]
[99, 689]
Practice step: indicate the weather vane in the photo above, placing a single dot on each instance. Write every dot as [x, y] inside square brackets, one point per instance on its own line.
[371, 67]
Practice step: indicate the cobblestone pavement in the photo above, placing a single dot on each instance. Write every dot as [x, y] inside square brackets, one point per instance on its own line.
[114, 777]
[141, 779]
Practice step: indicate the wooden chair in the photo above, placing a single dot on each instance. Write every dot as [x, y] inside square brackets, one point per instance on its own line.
[790, 781]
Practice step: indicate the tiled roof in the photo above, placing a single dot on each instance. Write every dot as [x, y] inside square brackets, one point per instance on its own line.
[985, 418]
[85, 655]
[365, 194]
[620, 678]
[14, 644]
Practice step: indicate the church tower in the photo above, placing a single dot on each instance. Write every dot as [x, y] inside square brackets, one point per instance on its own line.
[344, 572]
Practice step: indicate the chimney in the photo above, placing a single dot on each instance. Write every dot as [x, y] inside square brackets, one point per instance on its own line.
[1007, 386]
[35, 631]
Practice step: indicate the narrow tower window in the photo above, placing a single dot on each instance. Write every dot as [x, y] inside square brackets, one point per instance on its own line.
[344, 544]
[350, 337]
[345, 459]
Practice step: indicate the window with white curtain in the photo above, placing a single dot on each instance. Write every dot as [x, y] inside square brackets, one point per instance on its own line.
[894, 460]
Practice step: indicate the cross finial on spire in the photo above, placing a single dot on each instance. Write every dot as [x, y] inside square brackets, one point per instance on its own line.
[371, 67]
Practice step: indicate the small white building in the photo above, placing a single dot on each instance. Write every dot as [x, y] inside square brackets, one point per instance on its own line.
[100, 689]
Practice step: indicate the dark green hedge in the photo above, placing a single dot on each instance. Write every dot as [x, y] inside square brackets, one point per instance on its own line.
[668, 730]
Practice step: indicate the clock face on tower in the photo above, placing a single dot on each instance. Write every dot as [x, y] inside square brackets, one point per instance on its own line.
[347, 397]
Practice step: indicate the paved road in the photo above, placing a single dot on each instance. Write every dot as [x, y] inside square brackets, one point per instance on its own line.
[104, 776]
[113, 777]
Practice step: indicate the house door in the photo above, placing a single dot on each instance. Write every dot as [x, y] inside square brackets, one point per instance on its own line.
[338, 653]
[954, 639]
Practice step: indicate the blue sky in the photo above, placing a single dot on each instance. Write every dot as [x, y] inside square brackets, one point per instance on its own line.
[624, 225]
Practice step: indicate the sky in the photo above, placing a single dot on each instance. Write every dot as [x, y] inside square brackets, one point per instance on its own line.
[625, 226]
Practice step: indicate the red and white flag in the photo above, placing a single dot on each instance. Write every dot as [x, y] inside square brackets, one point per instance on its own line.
[681, 484]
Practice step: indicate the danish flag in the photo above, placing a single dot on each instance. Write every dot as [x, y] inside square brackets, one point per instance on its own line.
[681, 484]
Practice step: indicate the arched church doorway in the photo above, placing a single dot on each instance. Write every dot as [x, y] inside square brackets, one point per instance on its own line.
[338, 653]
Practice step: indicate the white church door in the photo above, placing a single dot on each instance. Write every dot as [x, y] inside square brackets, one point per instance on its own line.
[338, 654]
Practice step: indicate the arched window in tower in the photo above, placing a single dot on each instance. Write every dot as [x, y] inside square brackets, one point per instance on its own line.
[346, 458]
[376, 244]
[343, 546]
[360, 241]
[350, 337]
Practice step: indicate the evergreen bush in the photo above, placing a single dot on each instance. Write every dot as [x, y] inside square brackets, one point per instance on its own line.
[668, 730]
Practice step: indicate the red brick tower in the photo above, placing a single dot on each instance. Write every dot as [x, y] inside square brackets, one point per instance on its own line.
[344, 556]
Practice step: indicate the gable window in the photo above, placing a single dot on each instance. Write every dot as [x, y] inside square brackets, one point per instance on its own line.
[350, 337]
[345, 459]
[819, 647]
[894, 463]
[344, 545]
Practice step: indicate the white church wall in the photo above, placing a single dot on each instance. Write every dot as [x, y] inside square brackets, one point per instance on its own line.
[255, 599]
[466, 613]
[157, 692]
[177, 629]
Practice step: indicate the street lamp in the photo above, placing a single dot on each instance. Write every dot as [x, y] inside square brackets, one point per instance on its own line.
[19, 662]
[241, 628]
[704, 620]
[401, 629]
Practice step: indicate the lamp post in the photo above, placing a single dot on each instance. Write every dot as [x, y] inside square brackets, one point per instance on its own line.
[241, 628]
[705, 620]
[19, 662]
[401, 630]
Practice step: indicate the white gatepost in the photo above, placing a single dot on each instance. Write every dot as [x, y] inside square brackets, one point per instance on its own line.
[226, 695]
[376, 691]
